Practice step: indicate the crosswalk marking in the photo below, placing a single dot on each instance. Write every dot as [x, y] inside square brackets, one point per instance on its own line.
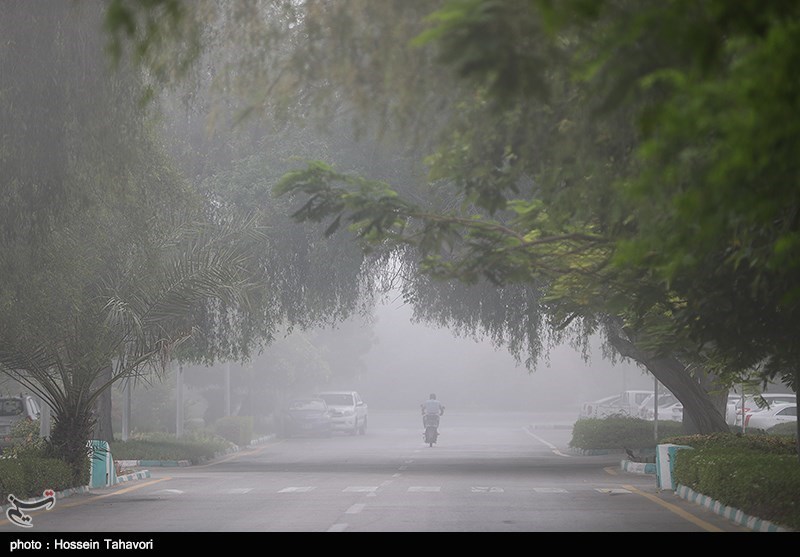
[240, 490]
[302, 489]
[611, 491]
[355, 509]
[337, 528]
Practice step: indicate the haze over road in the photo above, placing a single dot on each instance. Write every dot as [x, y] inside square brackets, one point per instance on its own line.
[489, 473]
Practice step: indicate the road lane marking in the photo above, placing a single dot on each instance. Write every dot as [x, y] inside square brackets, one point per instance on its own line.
[396, 475]
[239, 490]
[481, 489]
[545, 443]
[300, 489]
[360, 489]
[338, 528]
[612, 471]
[424, 488]
[612, 491]
[549, 490]
[355, 509]
[677, 510]
[173, 491]
[234, 455]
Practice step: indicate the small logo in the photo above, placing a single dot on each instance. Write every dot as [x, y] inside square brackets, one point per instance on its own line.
[15, 512]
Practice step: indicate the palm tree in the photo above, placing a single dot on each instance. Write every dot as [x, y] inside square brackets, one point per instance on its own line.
[131, 318]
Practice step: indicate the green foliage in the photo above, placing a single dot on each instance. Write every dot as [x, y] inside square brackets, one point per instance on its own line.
[787, 429]
[26, 440]
[195, 447]
[236, 429]
[619, 432]
[760, 484]
[28, 476]
[758, 442]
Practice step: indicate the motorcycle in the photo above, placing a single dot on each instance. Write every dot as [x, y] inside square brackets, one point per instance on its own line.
[431, 422]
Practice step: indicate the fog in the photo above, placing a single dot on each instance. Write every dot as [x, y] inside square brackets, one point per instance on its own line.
[408, 361]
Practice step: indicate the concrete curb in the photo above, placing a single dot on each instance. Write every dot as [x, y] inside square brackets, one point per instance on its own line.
[732, 514]
[638, 467]
[138, 463]
[142, 474]
[63, 494]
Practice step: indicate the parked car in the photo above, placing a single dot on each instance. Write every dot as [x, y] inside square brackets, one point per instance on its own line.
[778, 413]
[348, 411]
[307, 416]
[600, 408]
[669, 408]
[761, 402]
[12, 410]
[626, 403]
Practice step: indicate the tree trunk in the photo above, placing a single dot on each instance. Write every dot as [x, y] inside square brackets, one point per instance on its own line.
[69, 439]
[700, 413]
[103, 429]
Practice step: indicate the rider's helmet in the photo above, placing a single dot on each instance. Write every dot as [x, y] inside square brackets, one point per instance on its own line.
[433, 396]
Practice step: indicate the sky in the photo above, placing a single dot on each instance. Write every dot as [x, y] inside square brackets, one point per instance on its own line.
[410, 360]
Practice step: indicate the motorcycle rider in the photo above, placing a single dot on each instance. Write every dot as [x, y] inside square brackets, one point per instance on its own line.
[431, 410]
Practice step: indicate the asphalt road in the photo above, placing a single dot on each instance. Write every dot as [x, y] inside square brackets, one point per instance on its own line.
[488, 473]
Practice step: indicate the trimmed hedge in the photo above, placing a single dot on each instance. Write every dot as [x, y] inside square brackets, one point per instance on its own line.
[757, 442]
[762, 484]
[27, 477]
[196, 447]
[620, 432]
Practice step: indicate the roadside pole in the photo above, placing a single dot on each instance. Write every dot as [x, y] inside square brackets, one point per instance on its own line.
[126, 409]
[179, 401]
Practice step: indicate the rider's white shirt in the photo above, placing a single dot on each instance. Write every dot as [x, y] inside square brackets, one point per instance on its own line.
[432, 406]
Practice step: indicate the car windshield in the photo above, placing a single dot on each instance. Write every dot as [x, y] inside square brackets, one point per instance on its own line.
[317, 405]
[337, 399]
[10, 407]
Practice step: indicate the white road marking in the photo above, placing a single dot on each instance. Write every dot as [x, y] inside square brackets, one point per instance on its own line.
[611, 491]
[338, 528]
[355, 509]
[396, 475]
[424, 488]
[240, 490]
[360, 489]
[545, 443]
[549, 490]
[302, 489]
[172, 491]
[481, 489]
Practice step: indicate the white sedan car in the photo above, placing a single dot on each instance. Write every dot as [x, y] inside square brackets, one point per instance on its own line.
[778, 413]
[751, 404]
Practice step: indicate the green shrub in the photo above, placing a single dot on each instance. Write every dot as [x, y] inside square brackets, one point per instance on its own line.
[788, 429]
[619, 432]
[195, 447]
[753, 441]
[761, 484]
[26, 440]
[27, 477]
[236, 429]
